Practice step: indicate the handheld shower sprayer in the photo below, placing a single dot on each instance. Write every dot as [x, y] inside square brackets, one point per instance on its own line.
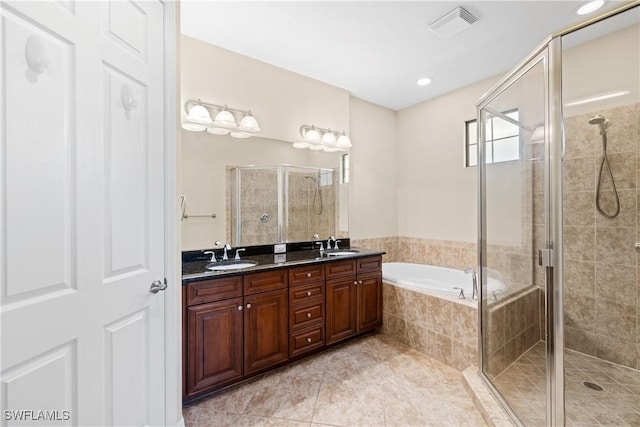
[603, 124]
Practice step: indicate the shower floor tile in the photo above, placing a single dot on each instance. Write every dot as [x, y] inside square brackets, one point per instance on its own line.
[618, 403]
[371, 381]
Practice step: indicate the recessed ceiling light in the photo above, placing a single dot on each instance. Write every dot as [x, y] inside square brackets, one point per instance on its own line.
[590, 7]
[424, 81]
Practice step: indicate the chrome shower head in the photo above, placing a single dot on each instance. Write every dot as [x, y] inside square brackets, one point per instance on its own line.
[601, 122]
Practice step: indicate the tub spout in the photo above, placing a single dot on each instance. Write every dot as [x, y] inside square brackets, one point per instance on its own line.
[474, 278]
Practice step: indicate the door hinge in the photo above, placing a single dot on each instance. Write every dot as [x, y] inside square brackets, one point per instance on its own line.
[545, 257]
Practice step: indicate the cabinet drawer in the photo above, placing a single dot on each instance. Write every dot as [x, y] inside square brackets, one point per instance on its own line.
[341, 268]
[306, 340]
[303, 294]
[302, 316]
[267, 281]
[369, 264]
[214, 290]
[306, 274]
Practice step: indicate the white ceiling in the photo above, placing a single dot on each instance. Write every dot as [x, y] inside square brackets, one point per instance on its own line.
[377, 50]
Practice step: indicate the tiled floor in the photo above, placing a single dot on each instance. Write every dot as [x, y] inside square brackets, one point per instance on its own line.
[618, 404]
[371, 381]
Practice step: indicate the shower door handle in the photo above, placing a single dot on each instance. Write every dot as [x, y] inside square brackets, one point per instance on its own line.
[637, 245]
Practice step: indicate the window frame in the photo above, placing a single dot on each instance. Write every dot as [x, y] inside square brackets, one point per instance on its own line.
[474, 144]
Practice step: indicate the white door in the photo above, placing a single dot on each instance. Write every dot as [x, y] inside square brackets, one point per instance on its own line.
[81, 219]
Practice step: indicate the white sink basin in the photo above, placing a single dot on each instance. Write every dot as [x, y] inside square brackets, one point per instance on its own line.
[233, 265]
[340, 253]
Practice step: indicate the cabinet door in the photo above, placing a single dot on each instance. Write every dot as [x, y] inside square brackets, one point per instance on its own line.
[266, 336]
[214, 333]
[369, 302]
[341, 309]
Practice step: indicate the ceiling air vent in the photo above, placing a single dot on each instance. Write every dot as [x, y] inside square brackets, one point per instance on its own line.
[452, 23]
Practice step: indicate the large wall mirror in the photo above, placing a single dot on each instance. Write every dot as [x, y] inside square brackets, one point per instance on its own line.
[260, 191]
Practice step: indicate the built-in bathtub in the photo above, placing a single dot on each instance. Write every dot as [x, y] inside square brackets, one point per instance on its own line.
[422, 309]
[438, 281]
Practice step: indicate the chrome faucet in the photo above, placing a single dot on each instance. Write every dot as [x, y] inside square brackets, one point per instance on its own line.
[329, 242]
[213, 255]
[225, 256]
[475, 282]
[238, 253]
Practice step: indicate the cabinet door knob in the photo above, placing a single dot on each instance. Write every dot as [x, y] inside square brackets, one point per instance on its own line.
[249, 305]
[308, 314]
[355, 282]
[359, 282]
[308, 274]
[308, 293]
[239, 308]
[308, 339]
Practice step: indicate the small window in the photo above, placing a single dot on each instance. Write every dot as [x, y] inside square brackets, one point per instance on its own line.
[345, 169]
[502, 139]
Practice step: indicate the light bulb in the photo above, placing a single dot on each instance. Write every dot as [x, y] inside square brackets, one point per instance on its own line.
[218, 131]
[193, 127]
[300, 144]
[249, 123]
[315, 147]
[240, 134]
[344, 141]
[225, 119]
[199, 114]
[330, 149]
[312, 135]
[329, 138]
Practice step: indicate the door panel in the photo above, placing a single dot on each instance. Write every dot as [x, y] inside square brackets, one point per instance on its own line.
[369, 302]
[341, 309]
[266, 337]
[82, 215]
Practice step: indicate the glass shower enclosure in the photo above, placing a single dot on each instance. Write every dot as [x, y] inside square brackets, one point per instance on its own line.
[559, 225]
[283, 203]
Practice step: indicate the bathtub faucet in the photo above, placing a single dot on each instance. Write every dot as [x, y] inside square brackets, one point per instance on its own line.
[475, 282]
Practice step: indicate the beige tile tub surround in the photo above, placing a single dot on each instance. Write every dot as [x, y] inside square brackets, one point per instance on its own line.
[602, 272]
[444, 330]
[371, 381]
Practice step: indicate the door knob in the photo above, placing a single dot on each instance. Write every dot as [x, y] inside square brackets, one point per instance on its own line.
[158, 286]
[308, 293]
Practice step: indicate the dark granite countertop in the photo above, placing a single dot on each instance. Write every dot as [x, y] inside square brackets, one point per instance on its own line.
[195, 270]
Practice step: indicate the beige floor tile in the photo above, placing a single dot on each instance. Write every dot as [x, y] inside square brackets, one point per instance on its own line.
[372, 381]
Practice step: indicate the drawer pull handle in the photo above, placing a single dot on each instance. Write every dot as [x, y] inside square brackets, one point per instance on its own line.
[308, 339]
[308, 315]
[239, 308]
[308, 293]
[249, 305]
[308, 274]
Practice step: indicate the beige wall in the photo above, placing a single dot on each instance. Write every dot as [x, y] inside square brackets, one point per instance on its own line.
[281, 100]
[373, 196]
[436, 194]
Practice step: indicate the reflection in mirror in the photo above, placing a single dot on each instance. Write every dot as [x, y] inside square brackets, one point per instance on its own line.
[207, 180]
[284, 203]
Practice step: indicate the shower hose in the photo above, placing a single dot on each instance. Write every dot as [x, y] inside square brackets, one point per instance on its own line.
[603, 163]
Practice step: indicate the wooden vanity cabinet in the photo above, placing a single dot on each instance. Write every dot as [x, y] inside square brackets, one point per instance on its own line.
[238, 325]
[229, 335]
[354, 297]
[306, 309]
[213, 337]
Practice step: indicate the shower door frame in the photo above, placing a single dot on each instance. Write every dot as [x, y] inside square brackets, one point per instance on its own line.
[542, 55]
[553, 184]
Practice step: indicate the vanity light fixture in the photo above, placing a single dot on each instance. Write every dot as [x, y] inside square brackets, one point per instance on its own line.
[316, 139]
[225, 122]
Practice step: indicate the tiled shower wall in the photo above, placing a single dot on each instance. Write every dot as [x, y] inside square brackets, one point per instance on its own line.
[602, 270]
[311, 212]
